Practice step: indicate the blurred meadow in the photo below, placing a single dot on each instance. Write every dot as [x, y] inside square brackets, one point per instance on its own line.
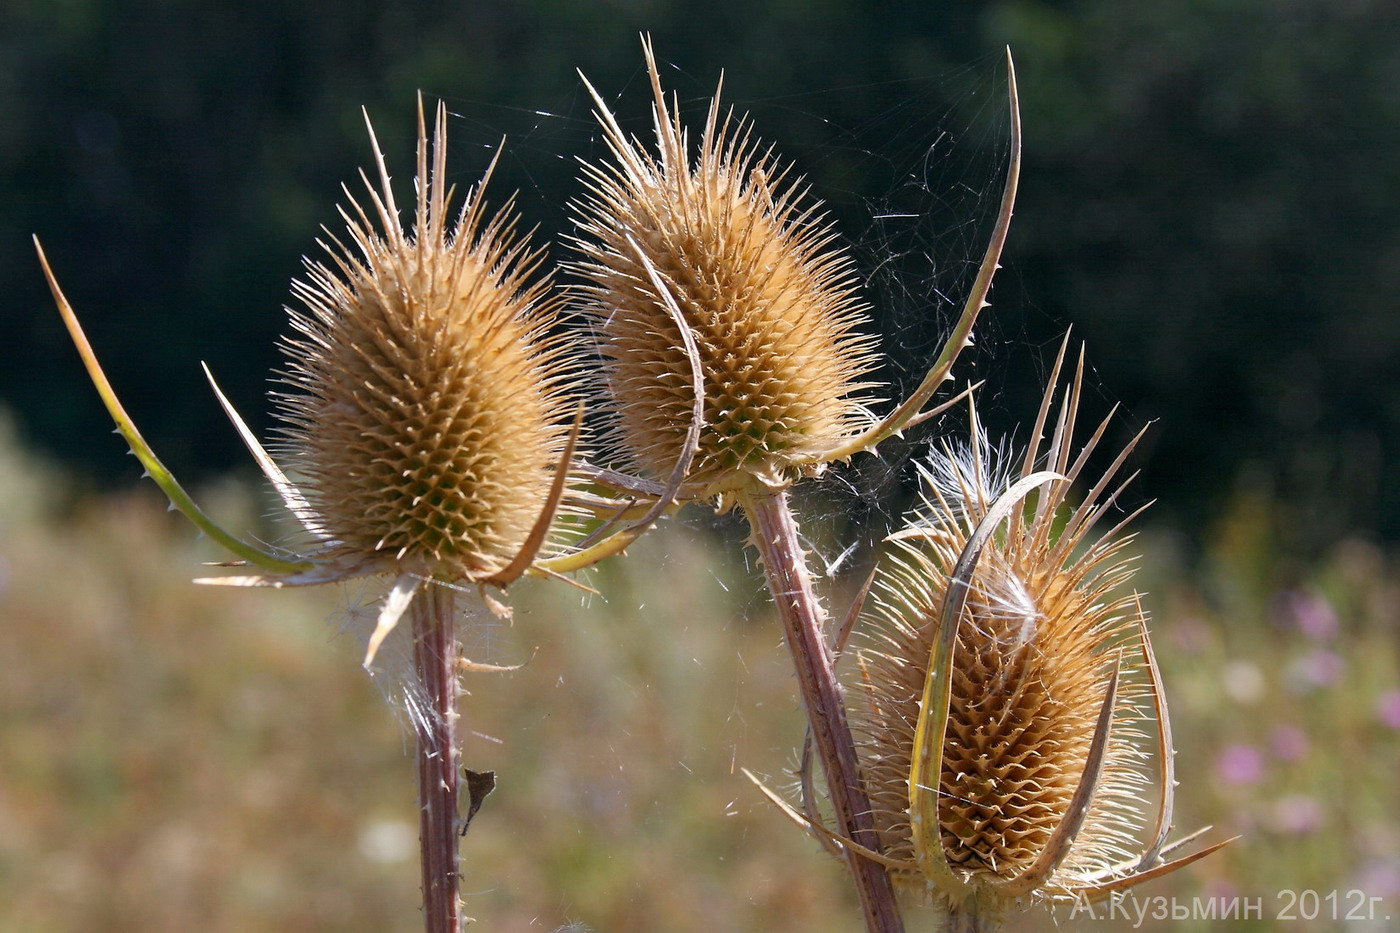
[179, 758]
[1209, 198]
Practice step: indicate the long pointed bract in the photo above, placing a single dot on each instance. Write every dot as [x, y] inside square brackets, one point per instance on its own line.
[925, 774]
[291, 496]
[908, 410]
[154, 468]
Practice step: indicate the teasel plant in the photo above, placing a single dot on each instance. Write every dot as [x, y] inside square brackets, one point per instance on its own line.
[1002, 679]
[425, 411]
[718, 254]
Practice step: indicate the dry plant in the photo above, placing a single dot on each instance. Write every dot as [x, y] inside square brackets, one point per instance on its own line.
[1000, 687]
[721, 249]
[426, 417]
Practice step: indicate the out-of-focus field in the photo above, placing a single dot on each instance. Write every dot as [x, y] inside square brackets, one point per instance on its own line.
[177, 758]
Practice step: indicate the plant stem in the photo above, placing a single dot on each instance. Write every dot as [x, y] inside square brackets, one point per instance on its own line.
[971, 917]
[775, 536]
[435, 660]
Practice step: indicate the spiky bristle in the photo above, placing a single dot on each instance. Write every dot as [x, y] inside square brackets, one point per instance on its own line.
[426, 414]
[1037, 647]
[753, 269]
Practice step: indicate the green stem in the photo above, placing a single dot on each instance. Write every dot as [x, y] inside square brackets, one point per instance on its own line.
[789, 581]
[435, 660]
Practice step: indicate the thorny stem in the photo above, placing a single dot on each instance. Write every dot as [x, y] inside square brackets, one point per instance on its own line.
[785, 565]
[435, 661]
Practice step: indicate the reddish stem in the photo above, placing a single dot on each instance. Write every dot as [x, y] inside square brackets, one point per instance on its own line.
[775, 537]
[435, 660]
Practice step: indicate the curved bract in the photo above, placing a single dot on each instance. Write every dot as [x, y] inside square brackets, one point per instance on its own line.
[152, 464]
[753, 269]
[1005, 671]
[427, 412]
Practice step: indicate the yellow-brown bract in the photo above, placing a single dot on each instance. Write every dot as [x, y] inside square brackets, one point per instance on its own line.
[754, 274]
[1003, 678]
[426, 413]
[427, 418]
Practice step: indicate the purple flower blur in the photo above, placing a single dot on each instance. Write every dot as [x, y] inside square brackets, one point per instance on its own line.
[1298, 814]
[1311, 613]
[1320, 668]
[1379, 877]
[1388, 708]
[1288, 742]
[1239, 764]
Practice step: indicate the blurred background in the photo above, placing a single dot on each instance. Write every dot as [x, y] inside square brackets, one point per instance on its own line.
[1208, 200]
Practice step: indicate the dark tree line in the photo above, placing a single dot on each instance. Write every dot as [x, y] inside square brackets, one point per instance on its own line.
[1209, 197]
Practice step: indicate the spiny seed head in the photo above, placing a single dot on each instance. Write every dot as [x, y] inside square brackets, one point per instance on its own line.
[752, 269]
[426, 414]
[1038, 641]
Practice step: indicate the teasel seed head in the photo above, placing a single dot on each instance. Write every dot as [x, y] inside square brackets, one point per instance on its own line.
[1003, 684]
[426, 415]
[725, 238]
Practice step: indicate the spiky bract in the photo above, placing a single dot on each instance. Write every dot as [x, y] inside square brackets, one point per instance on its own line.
[1046, 632]
[426, 416]
[753, 272]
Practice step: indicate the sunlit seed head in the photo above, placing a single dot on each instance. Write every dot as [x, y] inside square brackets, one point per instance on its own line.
[425, 413]
[1037, 642]
[752, 268]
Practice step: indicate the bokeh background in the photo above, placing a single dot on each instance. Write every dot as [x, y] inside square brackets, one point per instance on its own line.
[1209, 200]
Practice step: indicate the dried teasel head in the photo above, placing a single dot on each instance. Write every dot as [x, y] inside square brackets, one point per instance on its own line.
[425, 409]
[727, 318]
[1003, 681]
[723, 238]
[426, 416]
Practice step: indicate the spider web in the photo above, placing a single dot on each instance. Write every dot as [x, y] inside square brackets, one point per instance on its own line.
[912, 187]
